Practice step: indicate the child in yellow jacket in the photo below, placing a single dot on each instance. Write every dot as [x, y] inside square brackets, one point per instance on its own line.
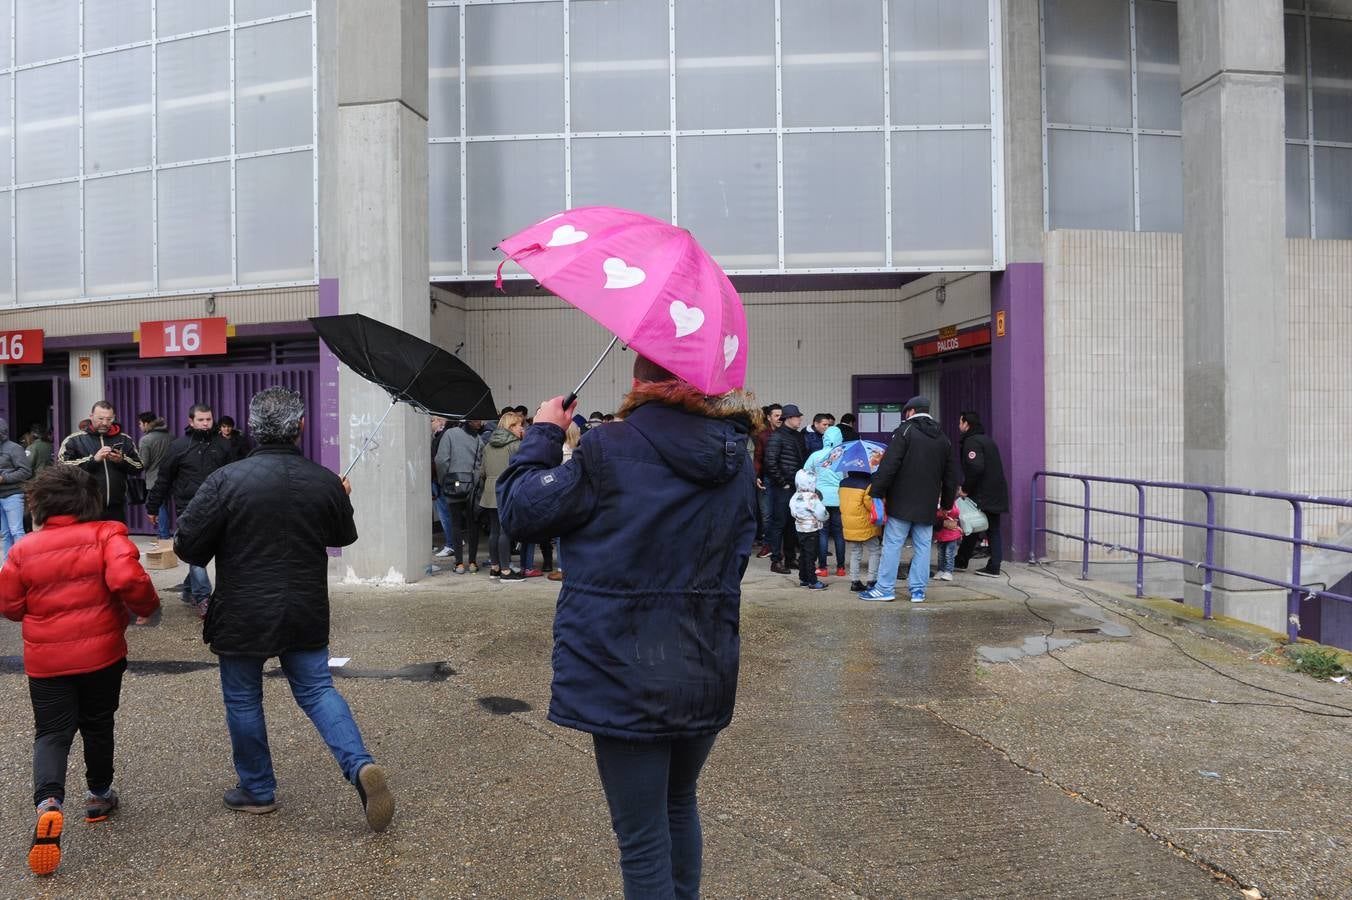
[861, 535]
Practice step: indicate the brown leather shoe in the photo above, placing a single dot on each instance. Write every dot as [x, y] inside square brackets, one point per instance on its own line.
[779, 569]
[555, 576]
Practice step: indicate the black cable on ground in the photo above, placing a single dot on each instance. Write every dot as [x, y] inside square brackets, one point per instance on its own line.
[1027, 602]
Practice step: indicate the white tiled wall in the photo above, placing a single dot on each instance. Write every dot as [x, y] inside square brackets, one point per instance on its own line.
[1114, 345]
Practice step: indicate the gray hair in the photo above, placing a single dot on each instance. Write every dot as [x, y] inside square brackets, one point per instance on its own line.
[275, 414]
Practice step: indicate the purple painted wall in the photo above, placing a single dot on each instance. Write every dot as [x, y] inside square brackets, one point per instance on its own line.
[1018, 398]
[328, 383]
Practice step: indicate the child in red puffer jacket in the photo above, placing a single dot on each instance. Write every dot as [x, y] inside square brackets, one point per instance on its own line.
[947, 535]
[70, 582]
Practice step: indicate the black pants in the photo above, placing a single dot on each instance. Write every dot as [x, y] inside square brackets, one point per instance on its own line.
[970, 542]
[466, 531]
[60, 706]
[779, 531]
[115, 513]
[499, 543]
[807, 557]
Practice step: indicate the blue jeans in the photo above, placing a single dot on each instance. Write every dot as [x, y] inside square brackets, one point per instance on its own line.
[894, 535]
[948, 551]
[835, 529]
[650, 789]
[11, 522]
[312, 685]
[443, 508]
[162, 529]
[199, 583]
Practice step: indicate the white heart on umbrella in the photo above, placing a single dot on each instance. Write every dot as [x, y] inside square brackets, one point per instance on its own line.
[688, 319]
[730, 346]
[621, 275]
[565, 235]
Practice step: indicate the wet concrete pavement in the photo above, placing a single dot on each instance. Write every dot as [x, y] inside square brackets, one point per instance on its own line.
[878, 750]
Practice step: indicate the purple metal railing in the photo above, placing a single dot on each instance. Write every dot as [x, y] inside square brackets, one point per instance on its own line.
[1295, 591]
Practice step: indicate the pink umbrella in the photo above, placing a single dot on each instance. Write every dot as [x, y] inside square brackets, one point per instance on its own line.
[646, 281]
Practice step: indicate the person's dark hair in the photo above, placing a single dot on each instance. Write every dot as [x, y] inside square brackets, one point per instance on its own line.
[226, 420]
[147, 417]
[971, 417]
[647, 371]
[506, 409]
[198, 408]
[64, 491]
[847, 419]
[521, 409]
[822, 417]
[595, 416]
[772, 407]
[101, 404]
[608, 417]
[275, 415]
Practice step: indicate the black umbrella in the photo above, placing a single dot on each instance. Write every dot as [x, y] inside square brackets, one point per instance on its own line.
[410, 369]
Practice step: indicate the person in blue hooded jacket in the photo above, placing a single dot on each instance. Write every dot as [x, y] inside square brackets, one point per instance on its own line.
[828, 482]
[656, 514]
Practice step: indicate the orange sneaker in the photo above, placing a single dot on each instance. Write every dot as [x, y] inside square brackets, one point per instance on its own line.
[45, 854]
[822, 573]
[840, 573]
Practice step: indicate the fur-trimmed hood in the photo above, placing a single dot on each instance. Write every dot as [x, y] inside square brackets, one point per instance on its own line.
[703, 439]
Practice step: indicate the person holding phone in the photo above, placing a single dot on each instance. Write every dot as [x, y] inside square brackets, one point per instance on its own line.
[102, 449]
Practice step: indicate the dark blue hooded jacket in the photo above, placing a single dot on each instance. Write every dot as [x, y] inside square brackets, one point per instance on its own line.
[656, 514]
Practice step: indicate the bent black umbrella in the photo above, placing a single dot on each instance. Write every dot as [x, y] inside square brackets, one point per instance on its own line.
[410, 369]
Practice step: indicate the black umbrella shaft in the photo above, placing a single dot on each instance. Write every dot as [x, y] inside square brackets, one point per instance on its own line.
[572, 398]
[366, 443]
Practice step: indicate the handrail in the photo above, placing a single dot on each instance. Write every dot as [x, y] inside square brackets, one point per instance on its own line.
[1296, 592]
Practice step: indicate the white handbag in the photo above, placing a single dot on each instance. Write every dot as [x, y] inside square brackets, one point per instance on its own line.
[970, 517]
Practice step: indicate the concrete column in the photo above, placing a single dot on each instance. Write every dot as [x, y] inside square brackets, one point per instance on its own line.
[87, 387]
[1018, 398]
[1235, 317]
[375, 203]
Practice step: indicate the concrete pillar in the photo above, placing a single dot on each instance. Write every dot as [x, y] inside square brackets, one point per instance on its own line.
[1018, 398]
[376, 201]
[87, 387]
[1235, 317]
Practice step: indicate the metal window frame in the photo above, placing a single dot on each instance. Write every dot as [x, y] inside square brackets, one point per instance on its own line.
[995, 126]
[155, 166]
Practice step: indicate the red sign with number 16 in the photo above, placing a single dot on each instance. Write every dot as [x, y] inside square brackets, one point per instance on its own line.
[183, 337]
[19, 348]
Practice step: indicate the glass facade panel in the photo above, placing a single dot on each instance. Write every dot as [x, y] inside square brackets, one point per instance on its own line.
[1087, 56]
[619, 85]
[6, 20]
[1333, 192]
[6, 134]
[276, 218]
[272, 86]
[182, 16]
[727, 197]
[1159, 95]
[6, 248]
[630, 172]
[117, 111]
[940, 62]
[725, 64]
[1161, 183]
[514, 53]
[112, 23]
[1295, 77]
[1090, 180]
[263, 9]
[443, 208]
[46, 29]
[49, 242]
[832, 55]
[833, 210]
[1331, 68]
[47, 101]
[194, 226]
[941, 211]
[119, 249]
[512, 184]
[443, 75]
[193, 98]
[1297, 191]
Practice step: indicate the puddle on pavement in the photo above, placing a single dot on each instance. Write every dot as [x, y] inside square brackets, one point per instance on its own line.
[501, 706]
[1036, 645]
[434, 671]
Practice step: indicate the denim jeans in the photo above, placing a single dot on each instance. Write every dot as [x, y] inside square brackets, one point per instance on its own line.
[650, 789]
[307, 671]
[162, 529]
[11, 522]
[443, 508]
[948, 551]
[832, 528]
[199, 583]
[894, 535]
[763, 514]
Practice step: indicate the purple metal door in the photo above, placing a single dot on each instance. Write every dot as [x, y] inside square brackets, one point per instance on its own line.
[964, 384]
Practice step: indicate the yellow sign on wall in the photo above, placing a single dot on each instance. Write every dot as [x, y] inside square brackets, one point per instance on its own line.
[86, 369]
[1000, 323]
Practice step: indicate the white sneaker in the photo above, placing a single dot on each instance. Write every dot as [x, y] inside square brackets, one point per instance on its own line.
[918, 599]
[444, 552]
[943, 576]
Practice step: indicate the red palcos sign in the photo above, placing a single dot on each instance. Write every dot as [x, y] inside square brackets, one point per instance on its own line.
[976, 338]
[183, 337]
[20, 348]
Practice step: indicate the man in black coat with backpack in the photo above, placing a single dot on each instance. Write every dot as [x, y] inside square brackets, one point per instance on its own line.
[983, 480]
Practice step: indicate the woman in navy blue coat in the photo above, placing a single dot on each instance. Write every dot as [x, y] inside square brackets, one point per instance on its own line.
[656, 514]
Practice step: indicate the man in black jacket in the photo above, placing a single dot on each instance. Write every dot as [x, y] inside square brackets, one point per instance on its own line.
[267, 521]
[186, 464]
[102, 450]
[785, 453]
[983, 480]
[917, 476]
